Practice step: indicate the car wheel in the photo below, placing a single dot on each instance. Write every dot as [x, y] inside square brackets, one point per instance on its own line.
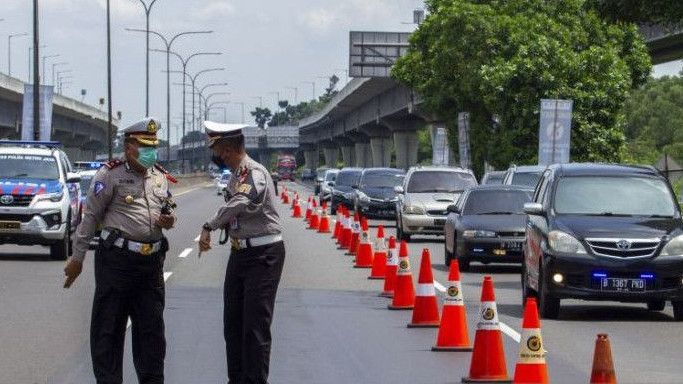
[333, 208]
[548, 306]
[448, 256]
[62, 249]
[656, 305]
[678, 310]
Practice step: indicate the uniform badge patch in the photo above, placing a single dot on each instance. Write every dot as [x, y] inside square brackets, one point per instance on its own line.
[98, 187]
[244, 188]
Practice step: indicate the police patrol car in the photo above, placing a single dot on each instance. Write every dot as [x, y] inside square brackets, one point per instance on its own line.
[39, 196]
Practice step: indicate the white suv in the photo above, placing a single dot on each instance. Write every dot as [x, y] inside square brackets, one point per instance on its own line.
[39, 196]
[424, 197]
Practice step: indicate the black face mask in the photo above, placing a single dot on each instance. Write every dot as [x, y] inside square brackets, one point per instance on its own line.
[219, 162]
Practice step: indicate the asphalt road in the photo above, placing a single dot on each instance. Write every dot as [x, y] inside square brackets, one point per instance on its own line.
[330, 325]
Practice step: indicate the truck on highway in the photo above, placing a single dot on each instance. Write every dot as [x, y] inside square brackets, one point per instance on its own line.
[286, 167]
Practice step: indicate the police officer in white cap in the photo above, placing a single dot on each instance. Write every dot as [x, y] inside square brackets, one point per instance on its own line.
[256, 258]
[130, 200]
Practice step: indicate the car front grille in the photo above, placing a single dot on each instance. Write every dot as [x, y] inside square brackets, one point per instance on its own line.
[520, 234]
[437, 212]
[19, 201]
[15, 217]
[624, 248]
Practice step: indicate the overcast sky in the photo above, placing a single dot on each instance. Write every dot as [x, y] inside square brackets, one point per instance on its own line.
[268, 45]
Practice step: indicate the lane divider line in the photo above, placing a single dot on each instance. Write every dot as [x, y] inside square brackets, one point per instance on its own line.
[185, 253]
[506, 329]
[166, 276]
[192, 190]
[196, 239]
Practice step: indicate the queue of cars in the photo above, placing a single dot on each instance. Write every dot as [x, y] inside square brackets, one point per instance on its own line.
[579, 231]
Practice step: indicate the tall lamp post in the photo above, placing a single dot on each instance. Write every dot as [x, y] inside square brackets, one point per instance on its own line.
[42, 78]
[55, 65]
[30, 61]
[296, 94]
[148, 10]
[184, 62]
[194, 87]
[36, 82]
[168, 43]
[203, 89]
[9, 51]
[208, 98]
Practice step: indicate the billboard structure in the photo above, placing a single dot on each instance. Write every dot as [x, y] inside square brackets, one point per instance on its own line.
[372, 54]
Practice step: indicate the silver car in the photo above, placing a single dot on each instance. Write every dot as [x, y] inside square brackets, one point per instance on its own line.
[326, 183]
[424, 197]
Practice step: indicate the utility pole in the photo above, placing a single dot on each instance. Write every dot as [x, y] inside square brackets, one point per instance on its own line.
[9, 51]
[148, 10]
[110, 128]
[36, 83]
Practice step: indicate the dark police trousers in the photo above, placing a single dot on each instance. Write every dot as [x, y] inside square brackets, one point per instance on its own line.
[251, 282]
[128, 284]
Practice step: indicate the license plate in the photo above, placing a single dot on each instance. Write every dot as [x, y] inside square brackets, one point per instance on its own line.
[9, 225]
[512, 246]
[439, 222]
[622, 285]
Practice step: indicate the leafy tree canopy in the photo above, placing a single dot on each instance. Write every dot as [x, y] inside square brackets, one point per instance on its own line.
[640, 11]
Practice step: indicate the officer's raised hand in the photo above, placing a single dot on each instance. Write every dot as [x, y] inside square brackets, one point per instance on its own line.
[72, 270]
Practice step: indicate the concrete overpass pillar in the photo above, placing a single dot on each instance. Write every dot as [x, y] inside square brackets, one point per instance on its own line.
[311, 158]
[348, 155]
[363, 155]
[380, 148]
[331, 155]
[406, 145]
[264, 159]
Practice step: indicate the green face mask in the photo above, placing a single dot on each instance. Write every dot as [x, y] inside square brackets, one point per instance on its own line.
[147, 157]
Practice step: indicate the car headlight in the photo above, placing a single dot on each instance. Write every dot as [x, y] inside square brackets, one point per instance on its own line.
[363, 197]
[53, 197]
[413, 210]
[565, 243]
[674, 247]
[471, 234]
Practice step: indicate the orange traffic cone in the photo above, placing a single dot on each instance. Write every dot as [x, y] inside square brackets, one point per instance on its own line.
[309, 210]
[531, 367]
[314, 222]
[453, 334]
[488, 357]
[603, 366]
[426, 312]
[391, 267]
[337, 227]
[346, 231]
[379, 260]
[404, 292]
[285, 198]
[364, 253]
[355, 234]
[324, 226]
[297, 209]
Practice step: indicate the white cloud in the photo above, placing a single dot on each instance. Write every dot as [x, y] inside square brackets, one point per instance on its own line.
[215, 9]
[125, 9]
[319, 20]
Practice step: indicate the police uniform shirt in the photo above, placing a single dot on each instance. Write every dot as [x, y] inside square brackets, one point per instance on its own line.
[121, 198]
[250, 212]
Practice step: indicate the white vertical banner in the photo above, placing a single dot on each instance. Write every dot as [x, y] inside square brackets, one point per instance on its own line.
[46, 99]
[464, 140]
[440, 150]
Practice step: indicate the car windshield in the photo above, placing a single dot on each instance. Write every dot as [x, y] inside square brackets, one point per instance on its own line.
[381, 180]
[348, 178]
[15, 166]
[495, 178]
[496, 202]
[528, 179]
[613, 196]
[85, 184]
[331, 176]
[440, 182]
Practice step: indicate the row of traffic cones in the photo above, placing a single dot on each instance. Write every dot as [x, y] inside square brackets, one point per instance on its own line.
[390, 262]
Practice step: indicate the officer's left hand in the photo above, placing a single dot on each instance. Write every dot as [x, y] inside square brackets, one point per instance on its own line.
[204, 241]
[72, 269]
[165, 221]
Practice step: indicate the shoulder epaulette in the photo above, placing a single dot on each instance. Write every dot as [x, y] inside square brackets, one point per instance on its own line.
[168, 175]
[113, 164]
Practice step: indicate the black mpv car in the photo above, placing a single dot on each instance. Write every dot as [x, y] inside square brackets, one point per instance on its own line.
[375, 195]
[603, 232]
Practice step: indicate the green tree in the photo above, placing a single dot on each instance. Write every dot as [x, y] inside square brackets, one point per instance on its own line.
[262, 116]
[496, 59]
[640, 11]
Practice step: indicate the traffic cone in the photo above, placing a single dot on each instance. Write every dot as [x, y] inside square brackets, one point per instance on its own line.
[347, 231]
[488, 357]
[603, 366]
[364, 254]
[355, 234]
[404, 292]
[337, 226]
[285, 199]
[324, 226]
[314, 222]
[426, 312]
[453, 334]
[297, 209]
[391, 267]
[308, 209]
[531, 367]
[379, 260]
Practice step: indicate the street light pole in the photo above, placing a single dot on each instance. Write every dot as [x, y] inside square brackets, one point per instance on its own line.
[168, 43]
[148, 10]
[9, 51]
[208, 98]
[36, 82]
[30, 61]
[240, 103]
[44, 59]
[53, 69]
[194, 86]
[296, 94]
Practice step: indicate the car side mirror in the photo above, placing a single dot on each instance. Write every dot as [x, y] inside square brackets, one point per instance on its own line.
[453, 208]
[73, 177]
[534, 209]
[398, 189]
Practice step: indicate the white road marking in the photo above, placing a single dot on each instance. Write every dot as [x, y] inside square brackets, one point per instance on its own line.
[166, 276]
[191, 190]
[185, 253]
[506, 329]
[196, 239]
